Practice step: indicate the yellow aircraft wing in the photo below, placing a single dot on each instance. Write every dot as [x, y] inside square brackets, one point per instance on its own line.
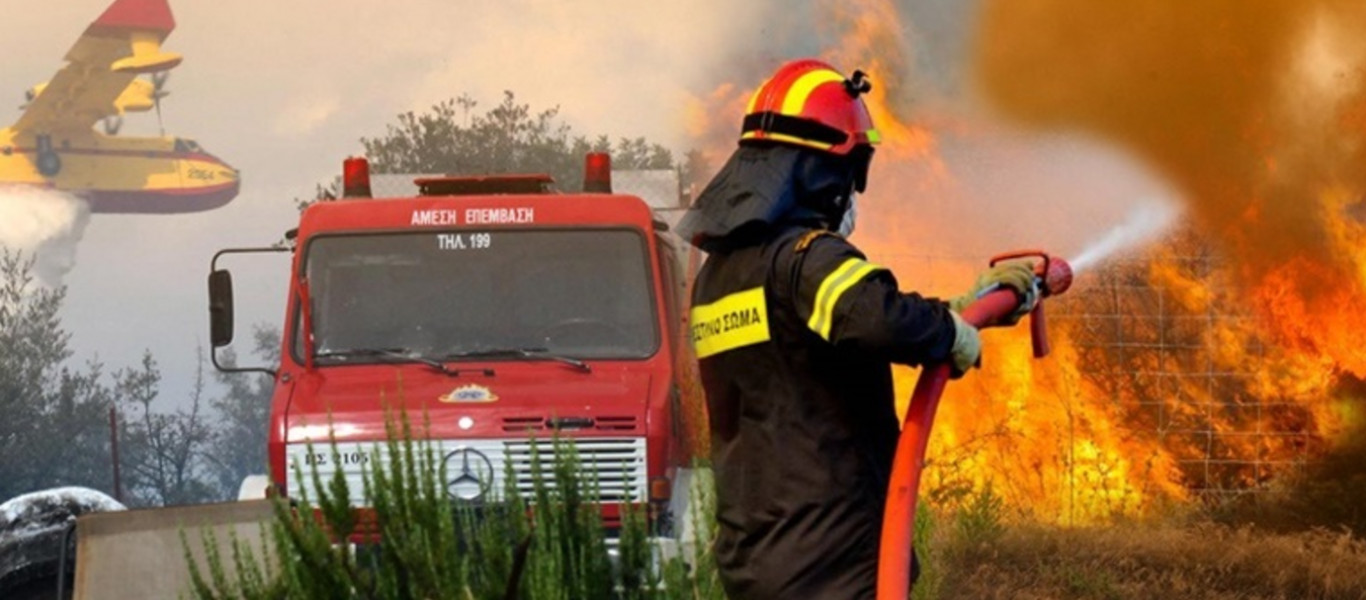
[100, 77]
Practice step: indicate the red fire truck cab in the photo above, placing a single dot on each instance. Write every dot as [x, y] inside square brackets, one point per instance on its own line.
[499, 310]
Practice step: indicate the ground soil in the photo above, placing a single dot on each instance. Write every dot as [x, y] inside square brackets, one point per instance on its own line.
[1202, 561]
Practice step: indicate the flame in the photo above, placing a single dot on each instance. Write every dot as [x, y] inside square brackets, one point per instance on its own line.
[873, 38]
[1038, 435]
[1215, 361]
[1316, 305]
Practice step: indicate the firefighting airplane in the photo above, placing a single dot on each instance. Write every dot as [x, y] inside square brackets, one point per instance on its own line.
[55, 144]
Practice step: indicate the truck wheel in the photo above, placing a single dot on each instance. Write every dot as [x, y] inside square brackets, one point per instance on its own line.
[33, 530]
[49, 163]
[38, 581]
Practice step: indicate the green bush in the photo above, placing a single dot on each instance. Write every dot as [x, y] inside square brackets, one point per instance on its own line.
[927, 587]
[421, 545]
[981, 517]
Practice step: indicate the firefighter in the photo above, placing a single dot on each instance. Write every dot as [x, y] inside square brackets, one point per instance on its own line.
[795, 333]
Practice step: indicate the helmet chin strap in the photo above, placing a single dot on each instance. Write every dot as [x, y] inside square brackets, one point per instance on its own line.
[846, 227]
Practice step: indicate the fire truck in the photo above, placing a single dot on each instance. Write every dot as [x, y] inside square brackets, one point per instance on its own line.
[496, 308]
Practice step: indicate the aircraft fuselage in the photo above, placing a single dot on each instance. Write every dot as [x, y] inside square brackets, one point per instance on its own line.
[118, 174]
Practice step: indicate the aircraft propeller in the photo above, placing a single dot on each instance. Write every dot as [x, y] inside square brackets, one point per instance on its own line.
[158, 92]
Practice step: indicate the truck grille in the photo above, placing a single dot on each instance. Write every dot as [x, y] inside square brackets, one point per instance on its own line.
[523, 424]
[616, 466]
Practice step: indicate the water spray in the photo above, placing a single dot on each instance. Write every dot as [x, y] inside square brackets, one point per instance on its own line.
[1146, 221]
[1052, 276]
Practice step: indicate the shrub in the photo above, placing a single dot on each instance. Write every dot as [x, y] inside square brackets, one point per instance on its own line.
[422, 545]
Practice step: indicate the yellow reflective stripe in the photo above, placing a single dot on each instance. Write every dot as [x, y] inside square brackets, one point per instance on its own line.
[828, 295]
[874, 137]
[779, 137]
[801, 89]
[817, 320]
[735, 321]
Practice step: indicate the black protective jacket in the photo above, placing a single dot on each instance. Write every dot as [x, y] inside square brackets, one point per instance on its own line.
[795, 334]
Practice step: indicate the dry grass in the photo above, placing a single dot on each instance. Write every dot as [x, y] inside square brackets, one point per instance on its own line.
[1205, 562]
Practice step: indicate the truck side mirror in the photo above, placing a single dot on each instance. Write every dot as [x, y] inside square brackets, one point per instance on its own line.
[220, 308]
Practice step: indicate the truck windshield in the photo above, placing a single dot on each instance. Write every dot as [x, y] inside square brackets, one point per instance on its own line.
[454, 294]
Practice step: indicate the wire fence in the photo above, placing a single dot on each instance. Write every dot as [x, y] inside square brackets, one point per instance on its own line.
[1164, 361]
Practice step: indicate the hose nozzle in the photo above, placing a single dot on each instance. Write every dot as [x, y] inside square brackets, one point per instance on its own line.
[1054, 274]
[1054, 277]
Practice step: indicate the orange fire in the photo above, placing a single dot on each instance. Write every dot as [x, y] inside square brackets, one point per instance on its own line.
[873, 39]
[1035, 432]
[875, 43]
[1213, 363]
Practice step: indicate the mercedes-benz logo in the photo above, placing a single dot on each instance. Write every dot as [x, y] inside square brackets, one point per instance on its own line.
[469, 474]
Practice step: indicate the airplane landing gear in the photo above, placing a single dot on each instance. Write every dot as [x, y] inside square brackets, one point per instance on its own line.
[49, 164]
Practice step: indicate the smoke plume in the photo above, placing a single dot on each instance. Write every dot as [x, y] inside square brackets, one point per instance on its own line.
[1257, 110]
[1254, 109]
[45, 225]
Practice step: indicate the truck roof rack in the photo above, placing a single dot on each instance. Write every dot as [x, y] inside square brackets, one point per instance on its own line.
[484, 184]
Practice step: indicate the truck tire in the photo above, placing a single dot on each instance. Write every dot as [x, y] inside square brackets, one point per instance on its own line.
[33, 530]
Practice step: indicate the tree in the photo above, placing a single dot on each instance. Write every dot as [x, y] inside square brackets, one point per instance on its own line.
[54, 429]
[238, 447]
[166, 451]
[509, 138]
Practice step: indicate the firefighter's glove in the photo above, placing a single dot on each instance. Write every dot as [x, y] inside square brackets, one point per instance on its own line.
[1018, 275]
[967, 346]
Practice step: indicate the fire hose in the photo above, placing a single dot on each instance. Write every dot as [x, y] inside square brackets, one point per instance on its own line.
[1052, 276]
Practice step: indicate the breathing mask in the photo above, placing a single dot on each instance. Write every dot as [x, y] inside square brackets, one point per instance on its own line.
[846, 227]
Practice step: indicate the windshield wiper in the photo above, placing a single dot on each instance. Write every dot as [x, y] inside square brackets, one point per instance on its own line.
[402, 354]
[522, 353]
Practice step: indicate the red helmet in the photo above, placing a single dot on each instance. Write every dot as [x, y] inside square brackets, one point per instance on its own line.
[808, 103]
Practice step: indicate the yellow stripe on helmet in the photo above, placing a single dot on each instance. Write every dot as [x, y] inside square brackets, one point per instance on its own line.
[831, 289]
[801, 89]
[780, 137]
